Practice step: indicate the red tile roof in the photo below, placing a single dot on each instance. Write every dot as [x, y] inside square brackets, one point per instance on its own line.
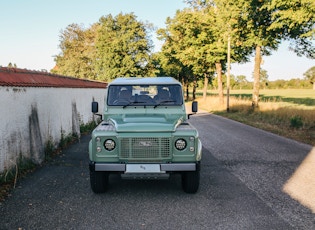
[29, 78]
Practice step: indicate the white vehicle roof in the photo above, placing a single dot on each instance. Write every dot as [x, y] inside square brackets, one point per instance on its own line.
[145, 81]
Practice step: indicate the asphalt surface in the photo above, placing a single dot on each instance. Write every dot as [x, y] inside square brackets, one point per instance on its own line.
[243, 173]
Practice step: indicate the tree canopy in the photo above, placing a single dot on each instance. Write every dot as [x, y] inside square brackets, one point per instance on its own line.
[113, 47]
[123, 47]
[77, 52]
[195, 41]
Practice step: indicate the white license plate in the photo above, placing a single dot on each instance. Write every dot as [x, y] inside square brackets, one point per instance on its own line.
[143, 168]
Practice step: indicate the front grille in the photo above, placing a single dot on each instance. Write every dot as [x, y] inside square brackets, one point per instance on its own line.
[145, 148]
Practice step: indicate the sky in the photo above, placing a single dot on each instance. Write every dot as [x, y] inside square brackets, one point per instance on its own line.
[30, 30]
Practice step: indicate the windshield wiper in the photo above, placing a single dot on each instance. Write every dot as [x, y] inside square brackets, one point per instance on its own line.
[162, 103]
[132, 103]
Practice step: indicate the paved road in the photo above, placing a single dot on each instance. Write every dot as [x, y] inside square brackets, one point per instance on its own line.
[243, 173]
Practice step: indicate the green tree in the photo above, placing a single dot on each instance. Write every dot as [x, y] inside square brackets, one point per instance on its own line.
[295, 19]
[123, 47]
[264, 78]
[166, 64]
[270, 22]
[229, 34]
[259, 37]
[310, 76]
[114, 46]
[225, 35]
[241, 81]
[169, 64]
[180, 38]
[77, 52]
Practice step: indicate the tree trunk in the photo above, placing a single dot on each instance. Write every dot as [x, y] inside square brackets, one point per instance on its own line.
[256, 76]
[218, 67]
[187, 91]
[205, 87]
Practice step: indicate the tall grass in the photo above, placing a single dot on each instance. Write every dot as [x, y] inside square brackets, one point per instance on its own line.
[286, 114]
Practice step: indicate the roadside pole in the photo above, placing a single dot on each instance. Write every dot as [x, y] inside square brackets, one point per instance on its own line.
[228, 75]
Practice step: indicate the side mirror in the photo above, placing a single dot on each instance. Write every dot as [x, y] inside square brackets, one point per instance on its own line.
[194, 107]
[94, 107]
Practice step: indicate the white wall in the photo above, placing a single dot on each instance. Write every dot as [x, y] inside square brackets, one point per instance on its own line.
[32, 116]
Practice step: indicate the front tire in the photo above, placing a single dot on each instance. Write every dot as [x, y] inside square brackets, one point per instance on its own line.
[99, 181]
[190, 181]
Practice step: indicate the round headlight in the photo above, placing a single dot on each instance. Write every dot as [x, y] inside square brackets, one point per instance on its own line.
[180, 144]
[109, 144]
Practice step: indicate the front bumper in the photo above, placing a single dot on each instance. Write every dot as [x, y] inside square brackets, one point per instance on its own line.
[144, 167]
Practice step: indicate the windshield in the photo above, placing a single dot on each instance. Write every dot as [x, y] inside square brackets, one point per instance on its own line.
[148, 95]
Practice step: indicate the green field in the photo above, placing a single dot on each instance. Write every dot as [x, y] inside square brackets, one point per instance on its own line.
[303, 97]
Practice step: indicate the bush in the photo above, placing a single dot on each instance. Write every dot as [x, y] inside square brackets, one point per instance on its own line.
[85, 128]
[296, 122]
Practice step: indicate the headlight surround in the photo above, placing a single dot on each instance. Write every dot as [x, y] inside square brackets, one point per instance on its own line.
[180, 144]
[109, 144]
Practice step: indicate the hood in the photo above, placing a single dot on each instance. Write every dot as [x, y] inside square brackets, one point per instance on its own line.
[146, 123]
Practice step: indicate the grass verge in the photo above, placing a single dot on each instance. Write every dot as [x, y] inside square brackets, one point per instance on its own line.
[294, 121]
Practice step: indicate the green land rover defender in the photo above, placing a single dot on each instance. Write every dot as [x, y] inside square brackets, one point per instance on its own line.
[144, 134]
